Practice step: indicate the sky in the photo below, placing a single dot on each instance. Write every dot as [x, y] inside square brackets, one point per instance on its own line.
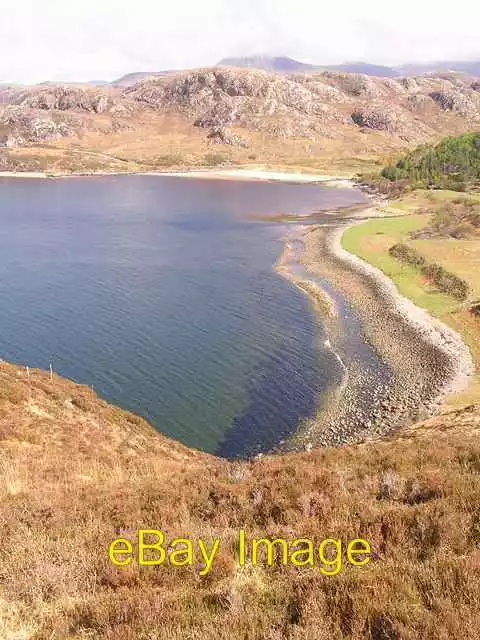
[81, 40]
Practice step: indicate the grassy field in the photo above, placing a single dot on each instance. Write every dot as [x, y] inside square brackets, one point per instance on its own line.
[372, 240]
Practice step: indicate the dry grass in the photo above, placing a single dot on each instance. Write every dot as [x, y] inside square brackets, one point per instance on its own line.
[159, 141]
[76, 473]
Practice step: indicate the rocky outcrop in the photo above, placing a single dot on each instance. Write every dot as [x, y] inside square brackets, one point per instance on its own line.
[313, 106]
[225, 136]
[465, 102]
[310, 105]
[33, 115]
[420, 102]
[31, 127]
[377, 120]
[63, 98]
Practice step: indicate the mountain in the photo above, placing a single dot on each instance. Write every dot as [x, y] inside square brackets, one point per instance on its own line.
[289, 65]
[279, 64]
[471, 68]
[132, 78]
[284, 64]
[74, 83]
[363, 67]
[314, 105]
[174, 118]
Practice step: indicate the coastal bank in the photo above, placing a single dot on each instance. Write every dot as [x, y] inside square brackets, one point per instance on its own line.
[400, 363]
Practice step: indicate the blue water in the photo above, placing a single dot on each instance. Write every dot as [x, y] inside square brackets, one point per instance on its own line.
[160, 293]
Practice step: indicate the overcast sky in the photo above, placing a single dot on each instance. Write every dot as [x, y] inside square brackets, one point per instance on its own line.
[103, 39]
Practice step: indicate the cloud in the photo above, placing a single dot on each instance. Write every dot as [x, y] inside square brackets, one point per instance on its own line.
[95, 39]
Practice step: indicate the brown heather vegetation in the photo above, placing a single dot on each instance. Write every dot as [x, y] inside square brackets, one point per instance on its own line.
[75, 473]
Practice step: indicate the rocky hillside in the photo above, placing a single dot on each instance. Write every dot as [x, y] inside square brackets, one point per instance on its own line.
[313, 105]
[44, 113]
[76, 473]
[298, 114]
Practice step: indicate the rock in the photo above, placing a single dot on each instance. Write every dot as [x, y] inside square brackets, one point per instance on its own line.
[64, 98]
[100, 104]
[457, 101]
[409, 83]
[475, 309]
[378, 120]
[11, 141]
[420, 102]
[223, 136]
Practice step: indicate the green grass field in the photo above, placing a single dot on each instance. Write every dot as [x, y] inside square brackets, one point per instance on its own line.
[371, 241]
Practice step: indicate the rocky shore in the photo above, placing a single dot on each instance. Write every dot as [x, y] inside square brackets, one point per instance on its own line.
[399, 361]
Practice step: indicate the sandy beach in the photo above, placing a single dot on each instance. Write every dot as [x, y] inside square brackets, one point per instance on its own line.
[257, 174]
[24, 174]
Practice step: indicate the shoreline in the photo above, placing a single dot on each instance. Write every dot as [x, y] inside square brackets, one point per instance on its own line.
[431, 329]
[239, 173]
[347, 425]
[429, 361]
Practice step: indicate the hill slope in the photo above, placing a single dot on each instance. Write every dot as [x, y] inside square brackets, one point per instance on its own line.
[224, 115]
[76, 473]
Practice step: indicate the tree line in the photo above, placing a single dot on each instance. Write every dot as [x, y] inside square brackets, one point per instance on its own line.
[454, 163]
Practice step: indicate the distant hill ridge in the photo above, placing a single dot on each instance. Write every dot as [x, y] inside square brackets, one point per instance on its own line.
[284, 64]
[289, 65]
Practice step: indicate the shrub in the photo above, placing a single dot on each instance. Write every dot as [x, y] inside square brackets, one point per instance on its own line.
[214, 159]
[169, 160]
[451, 284]
[445, 281]
[405, 253]
[475, 309]
[82, 403]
